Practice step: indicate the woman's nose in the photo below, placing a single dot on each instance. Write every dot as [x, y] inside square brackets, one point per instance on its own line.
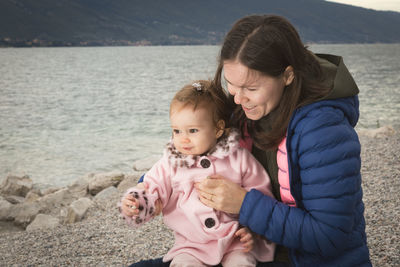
[238, 97]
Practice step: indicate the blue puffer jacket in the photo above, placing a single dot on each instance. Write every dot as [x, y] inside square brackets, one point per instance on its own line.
[327, 227]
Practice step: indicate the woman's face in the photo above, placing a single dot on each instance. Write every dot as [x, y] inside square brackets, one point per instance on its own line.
[258, 94]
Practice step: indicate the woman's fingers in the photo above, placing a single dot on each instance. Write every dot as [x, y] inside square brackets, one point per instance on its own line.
[221, 194]
[207, 202]
[209, 188]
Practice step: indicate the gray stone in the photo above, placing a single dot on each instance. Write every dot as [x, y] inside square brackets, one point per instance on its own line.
[5, 209]
[24, 213]
[9, 226]
[62, 197]
[14, 199]
[14, 185]
[79, 188]
[100, 181]
[107, 197]
[49, 190]
[43, 189]
[32, 196]
[78, 209]
[43, 221]
[107, 194]
[129, 181]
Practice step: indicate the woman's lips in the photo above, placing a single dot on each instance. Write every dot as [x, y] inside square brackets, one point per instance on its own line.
[248, 109]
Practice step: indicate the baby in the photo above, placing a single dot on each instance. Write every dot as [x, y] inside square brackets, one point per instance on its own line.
[201, 146]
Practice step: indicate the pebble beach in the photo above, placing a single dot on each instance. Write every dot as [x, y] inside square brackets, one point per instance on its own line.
[103, 239]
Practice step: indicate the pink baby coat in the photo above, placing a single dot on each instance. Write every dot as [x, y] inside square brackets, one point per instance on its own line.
[200, 230]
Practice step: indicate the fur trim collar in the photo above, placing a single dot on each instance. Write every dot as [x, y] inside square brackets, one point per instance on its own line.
[223, 148]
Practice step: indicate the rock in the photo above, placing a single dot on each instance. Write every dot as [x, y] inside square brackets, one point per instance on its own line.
[32, 196]
[100, 181]
[43, 221]
[62, 197]
[43, 189]
[129, 181]
[5, 209]
[49, 190]
[108, 196]
[14, 199]
[24, 213]
[378, 132]
[78, 209]
[18, 186]
[79, 188]
[7, 227]
[63, 213]
[146, 163]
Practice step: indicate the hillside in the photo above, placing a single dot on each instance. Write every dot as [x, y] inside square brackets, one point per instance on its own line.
[179, 22]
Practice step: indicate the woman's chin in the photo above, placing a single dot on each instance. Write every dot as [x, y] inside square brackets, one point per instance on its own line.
[253, 116]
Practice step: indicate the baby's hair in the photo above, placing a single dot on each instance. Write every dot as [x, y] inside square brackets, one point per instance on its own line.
[203, 93]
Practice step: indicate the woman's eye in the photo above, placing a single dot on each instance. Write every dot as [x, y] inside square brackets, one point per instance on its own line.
[251, 89]
[193, 130]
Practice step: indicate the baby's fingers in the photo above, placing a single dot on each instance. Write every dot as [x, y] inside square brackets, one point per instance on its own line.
[130, 207]
[248, 246]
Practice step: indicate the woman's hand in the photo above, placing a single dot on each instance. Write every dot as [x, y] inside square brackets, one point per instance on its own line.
[221, 194]
[246, 238]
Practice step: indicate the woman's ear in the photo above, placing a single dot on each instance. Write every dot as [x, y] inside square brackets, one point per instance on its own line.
[220, 128]
[288, 75]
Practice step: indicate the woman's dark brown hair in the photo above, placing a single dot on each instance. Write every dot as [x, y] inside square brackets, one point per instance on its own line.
[269, 44]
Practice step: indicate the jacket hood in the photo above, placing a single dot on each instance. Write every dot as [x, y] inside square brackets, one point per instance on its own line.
[337, 77]
[344, 89]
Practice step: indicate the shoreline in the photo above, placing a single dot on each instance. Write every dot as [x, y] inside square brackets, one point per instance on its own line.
[102, 237]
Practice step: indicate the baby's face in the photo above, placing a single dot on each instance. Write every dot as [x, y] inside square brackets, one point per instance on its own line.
[194, 132]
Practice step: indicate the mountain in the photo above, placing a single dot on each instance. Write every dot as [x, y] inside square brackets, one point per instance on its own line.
[179, 22]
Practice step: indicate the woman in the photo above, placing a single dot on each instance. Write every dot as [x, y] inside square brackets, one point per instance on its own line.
[299, 110]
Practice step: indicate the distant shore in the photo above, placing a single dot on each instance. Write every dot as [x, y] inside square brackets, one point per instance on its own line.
[103, 239]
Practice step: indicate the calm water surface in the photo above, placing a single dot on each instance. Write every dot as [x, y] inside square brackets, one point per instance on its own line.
[65, 112]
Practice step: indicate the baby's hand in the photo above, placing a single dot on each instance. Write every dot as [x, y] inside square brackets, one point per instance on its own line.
[246, 237]
[129, 206]
[136, 207]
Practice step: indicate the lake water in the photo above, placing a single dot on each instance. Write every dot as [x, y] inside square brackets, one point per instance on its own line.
[65, 112]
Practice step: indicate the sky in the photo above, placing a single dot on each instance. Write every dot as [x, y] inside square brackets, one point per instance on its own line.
[392, 5]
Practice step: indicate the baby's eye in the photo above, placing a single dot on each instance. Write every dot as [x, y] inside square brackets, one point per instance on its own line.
[251, 89]
[175, 131]
[193, 131]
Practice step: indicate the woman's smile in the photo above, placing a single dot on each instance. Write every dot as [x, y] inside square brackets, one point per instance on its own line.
[249, 109]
